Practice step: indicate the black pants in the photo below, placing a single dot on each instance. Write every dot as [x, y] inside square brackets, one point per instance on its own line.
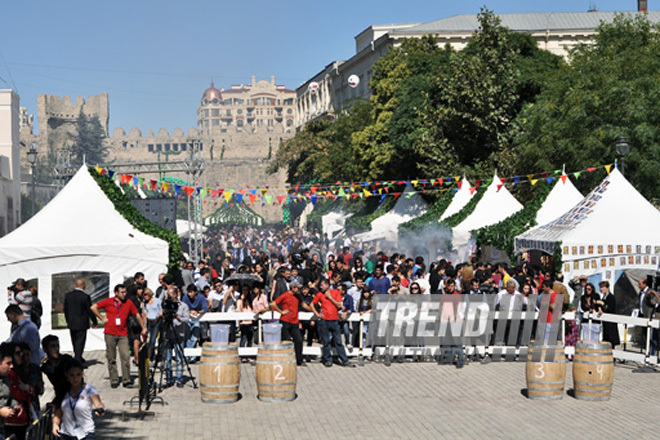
[292, 331]
[78, 338]
[309, 331]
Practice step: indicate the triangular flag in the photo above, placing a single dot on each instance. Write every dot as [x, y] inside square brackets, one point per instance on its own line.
[608, 168]
[252, 198]
[366, 193]
[533, 181]
[549, 179]
[165, 186]
[515, 180]
[499, 187]
[280, 199]
[563, 178]
[530, 177]
[239, 197]
[341, 192]
[591, 169]
[577, 174]
[414, 182]
[228, 194]
[473, 189]
[459, 183]
[268, 198]
[189, 190]
[477, 183]
[314, 198]
[382, 198]
[458, 178]
[396, 195]
[98, 169]
[153, 184]
[264, 191]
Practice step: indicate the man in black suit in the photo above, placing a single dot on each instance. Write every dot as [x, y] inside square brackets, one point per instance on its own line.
[77, 312]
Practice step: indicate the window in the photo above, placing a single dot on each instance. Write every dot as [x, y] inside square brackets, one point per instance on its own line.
[228, 112]
[239, 123]
[206, 113]
[175, 147]
[289, 122]
[97, 285]
[239, 111]
[184, 147]
[289, 111]
[288, 101]
[227, 101]
[270, 122]
[159, 147]
[167, 147]
[215, 112]
[216, 122]
[150, 148]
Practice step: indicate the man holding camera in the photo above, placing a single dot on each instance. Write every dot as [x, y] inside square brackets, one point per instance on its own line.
[176, 315]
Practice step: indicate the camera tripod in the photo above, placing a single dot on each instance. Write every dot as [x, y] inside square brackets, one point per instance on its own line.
[168, 339]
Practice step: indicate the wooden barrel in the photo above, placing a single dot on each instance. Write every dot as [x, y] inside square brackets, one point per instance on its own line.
[276, 372]
[545, 371]
[219, 373]
[593, 371]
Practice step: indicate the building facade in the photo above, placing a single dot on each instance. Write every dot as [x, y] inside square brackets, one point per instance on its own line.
[556, 32]
[10, 167]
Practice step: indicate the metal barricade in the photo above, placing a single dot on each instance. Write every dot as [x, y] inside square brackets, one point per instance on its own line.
[42, 428]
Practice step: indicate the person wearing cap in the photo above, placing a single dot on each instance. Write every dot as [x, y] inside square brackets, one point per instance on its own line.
[287, 306]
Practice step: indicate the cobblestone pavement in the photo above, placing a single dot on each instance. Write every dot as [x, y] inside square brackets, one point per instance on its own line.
[420, 400]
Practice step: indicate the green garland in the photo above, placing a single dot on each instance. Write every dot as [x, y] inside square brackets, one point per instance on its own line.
[461, 215]
[358, 223]
[137, 220]
[502, 235]
[432, 215]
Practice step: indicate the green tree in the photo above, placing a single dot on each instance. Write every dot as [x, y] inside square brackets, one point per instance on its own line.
[609, 89]
[89, 140]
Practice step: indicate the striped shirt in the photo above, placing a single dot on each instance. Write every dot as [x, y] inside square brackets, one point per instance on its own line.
[22, 299]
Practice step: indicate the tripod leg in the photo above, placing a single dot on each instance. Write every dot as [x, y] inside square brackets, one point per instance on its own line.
[179, 349]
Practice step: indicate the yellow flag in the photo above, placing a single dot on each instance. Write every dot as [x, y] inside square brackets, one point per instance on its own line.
[530, 177]
[533, 181]
[608, 168]
[414, 182]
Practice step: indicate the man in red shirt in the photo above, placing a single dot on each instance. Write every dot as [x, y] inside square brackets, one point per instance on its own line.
[287, 305]
[117, 311]
[551, 328]
[331, 302]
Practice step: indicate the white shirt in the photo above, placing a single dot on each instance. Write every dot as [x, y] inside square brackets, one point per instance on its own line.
[424, 285]
[510, 301]
[80, 422]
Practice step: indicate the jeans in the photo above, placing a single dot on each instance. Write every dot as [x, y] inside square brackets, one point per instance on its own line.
[448, 352]
[89, 436]
[331, 337]
[247, 334]
[152, 328]
[171, 346]
[345, 327]
[113, 342]
[194, 331]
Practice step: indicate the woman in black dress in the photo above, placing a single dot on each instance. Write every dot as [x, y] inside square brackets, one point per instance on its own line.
[608, 305]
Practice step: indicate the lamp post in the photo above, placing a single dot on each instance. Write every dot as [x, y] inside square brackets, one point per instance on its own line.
[623, 148]
[32, 158]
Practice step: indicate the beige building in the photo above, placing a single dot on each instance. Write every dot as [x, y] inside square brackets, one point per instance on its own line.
[10, 167]
[239, 130]
[556, 32]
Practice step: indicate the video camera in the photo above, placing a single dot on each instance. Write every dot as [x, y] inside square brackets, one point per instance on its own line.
[169, 309]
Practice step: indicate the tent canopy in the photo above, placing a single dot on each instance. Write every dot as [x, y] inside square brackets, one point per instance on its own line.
[613, 213]
[460, 199]
[495, 205]
[78, 231]
[564, 196]
[409, 206]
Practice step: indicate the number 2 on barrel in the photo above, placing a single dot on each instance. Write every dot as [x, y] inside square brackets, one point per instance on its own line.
[540, 374]
[218, 370]
[278, 372]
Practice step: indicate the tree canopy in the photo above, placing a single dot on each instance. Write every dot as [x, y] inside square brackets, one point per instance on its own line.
[89, 140]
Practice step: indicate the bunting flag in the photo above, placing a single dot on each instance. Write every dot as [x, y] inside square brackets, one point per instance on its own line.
[316, 191]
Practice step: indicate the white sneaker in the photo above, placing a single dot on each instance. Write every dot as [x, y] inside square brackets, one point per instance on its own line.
[350, 348]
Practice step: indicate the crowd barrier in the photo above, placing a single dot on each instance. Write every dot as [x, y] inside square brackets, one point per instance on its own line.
[42, 428]
[628, 322]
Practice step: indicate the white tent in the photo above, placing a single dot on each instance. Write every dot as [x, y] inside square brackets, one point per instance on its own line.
[333, 222]
[461, 198]
[386, 227]
[183, 227]
[79, 230]
[495, 205]
[563, 196]
[612, 229]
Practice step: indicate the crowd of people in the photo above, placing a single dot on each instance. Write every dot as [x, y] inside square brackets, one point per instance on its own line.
[283, 270]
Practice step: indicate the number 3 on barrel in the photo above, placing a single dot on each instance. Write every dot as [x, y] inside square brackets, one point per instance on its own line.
[218, 370]
[540, 374]
[278, 372]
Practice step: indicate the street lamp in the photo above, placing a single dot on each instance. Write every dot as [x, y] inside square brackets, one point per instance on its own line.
[32, 158]
[623, 148]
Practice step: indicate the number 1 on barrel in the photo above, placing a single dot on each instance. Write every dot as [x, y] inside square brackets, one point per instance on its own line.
[218, 370]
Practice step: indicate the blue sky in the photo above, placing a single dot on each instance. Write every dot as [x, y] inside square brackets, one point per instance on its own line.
[155, 58]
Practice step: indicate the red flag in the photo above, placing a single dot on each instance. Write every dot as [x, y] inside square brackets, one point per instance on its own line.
[396, 195]
[473, 189]
[590, 169]
[189, 190]
[459, 184]
[477, 183]
[563, 178]
[499, 187]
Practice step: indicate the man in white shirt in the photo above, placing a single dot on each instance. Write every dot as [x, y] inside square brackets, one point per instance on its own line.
[509, 300]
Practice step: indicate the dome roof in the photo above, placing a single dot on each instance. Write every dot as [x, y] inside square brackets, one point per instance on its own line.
[211, 95]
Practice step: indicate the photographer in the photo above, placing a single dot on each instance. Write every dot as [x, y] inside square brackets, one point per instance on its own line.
[151, 313]
[175, 322]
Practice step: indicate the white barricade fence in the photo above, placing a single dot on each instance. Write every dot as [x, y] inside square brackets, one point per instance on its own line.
[623, 354]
